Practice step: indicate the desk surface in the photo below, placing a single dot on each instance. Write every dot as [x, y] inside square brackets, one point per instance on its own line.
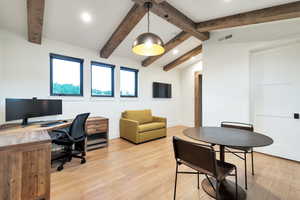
[16, 134]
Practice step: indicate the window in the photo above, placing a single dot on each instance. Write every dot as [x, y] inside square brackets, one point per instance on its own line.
[129, 82]
[66, 76]
[102, 79]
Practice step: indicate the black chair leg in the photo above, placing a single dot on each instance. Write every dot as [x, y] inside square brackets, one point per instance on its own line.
[245, 160]
[198, 185]
[252, 160]
[236, 185]
[63, 162]
[218, 190]
[175, 181]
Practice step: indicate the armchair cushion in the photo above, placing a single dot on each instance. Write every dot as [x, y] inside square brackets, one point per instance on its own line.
[142, 116]
[151, 126]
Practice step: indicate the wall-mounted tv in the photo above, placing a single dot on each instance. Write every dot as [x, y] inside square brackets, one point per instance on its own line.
[162, 90]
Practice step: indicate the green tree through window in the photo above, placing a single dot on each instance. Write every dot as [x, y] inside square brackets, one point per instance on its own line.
[128, 82]
[66, 76]
[102, 79]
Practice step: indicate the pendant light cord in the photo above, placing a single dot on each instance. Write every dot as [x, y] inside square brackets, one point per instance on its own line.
[148, 17]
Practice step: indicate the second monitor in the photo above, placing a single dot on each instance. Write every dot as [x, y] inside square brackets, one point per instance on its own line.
[29, 108]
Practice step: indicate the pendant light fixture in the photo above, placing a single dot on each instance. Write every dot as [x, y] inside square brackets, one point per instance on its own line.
[148, 44]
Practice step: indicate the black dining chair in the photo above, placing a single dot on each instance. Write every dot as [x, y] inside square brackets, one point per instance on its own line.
[202, 159]
[72, 139]
[241, 150]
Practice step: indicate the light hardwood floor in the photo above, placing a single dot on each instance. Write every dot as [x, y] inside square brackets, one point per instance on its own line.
[146, 171]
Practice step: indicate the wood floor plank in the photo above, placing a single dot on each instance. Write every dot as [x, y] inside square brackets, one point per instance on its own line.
[146, 171]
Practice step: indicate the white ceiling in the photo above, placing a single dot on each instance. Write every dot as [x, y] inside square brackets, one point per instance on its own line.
[202, 10]
[62, 21]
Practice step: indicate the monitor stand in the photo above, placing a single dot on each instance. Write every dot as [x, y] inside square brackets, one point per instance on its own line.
[25, 122]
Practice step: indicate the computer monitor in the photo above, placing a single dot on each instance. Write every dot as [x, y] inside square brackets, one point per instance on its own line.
[28, 108]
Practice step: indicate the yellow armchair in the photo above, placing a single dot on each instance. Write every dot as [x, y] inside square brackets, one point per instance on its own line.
[140, 126]
[159, 119]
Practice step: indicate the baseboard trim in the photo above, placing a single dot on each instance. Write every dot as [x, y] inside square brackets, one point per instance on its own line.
[144, 141]
[277, 157]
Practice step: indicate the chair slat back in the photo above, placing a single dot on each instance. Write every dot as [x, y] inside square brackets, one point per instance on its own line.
[201, 156]
[238, 125]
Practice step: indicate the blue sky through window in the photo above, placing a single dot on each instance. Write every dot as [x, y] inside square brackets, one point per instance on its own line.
[65, 77]
[102, 80]
[127, 83]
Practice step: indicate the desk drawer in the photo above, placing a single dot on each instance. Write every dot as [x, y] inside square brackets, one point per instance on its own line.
[99, 126]
[96, 121]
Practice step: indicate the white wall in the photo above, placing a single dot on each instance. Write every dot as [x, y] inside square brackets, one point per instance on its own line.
[188, 93]
[26, 75]
[276, 86]
[226, 75]
[1, 81]
[225, 83]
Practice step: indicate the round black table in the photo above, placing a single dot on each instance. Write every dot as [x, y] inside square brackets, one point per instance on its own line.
[226, 137]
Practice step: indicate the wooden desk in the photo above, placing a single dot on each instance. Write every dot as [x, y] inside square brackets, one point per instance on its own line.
[25, 158]
[97, 129]
[25, 161]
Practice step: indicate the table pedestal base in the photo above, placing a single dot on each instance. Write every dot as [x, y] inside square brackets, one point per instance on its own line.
[227, 190]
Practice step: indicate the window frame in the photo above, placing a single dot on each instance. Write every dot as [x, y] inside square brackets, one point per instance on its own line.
[112, 67]
[66, 58]
[136, 71]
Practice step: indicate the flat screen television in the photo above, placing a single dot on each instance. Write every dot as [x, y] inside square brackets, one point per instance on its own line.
[29, 108]
[162, 90]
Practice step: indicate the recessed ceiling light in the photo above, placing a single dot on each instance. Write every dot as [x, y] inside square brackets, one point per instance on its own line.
[193, 58]
[86, 17]
[175, 51]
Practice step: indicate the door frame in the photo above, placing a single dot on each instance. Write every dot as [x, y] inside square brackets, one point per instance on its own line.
[198, 99]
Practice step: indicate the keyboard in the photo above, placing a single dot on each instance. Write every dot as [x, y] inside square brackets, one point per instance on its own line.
[52, 123]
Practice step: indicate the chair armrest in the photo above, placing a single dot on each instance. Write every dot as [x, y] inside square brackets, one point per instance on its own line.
[129, 129]
[65, 133]
[61, 131]
[159, 119]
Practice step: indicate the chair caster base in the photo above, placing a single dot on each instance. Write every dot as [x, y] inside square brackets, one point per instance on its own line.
[83, 161]
[60, 168]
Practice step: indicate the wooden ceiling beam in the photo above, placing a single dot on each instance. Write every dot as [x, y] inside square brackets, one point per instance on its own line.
[183, 58]
[133, 17]
[285, 11]
[159, 1]
[175, 17]
[178, 39]
[35, 18]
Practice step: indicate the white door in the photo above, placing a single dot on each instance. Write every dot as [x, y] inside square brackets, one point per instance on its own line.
[276, 97]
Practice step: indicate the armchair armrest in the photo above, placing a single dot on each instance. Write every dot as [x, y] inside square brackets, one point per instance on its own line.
[129, 122]
[129, 129]
[159, 119]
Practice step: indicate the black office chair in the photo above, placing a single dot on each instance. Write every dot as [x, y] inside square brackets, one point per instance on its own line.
[72, 139]
[202, 159]
[241, 150]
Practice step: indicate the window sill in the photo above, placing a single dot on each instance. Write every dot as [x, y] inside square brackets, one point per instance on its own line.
[68, 98]
[95, 98]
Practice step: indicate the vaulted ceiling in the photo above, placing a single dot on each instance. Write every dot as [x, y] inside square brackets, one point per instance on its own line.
[62, 21]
